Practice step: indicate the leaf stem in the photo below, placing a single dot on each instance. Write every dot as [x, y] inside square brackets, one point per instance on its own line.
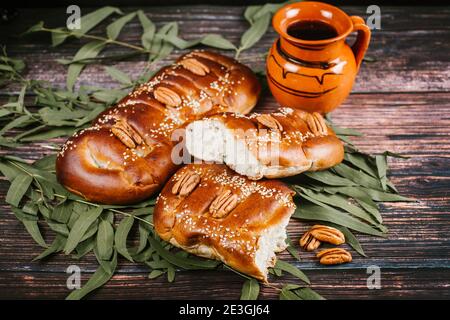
[111, 209]
[269, 285]
[107, 40]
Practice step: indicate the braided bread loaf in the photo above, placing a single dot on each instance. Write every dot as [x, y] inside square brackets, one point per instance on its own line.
[280, 144]
[211, 211]
[125, 156]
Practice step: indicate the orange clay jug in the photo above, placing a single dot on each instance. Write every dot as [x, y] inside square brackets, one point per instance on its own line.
[310, 66]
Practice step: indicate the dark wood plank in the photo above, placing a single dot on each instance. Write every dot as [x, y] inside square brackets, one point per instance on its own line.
[403, 46]
[336, 284]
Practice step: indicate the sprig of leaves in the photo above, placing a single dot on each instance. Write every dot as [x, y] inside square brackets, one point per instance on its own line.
[57, 113]
[346, 195]
[10, 69]
[157, 44]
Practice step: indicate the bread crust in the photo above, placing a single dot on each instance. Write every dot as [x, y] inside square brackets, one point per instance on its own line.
[188, 220]
[125, 156]
[283, 143]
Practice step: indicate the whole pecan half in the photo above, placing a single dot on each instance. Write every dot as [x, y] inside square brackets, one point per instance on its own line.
[270, 122]
[167, 96]
[223, 204]
[316, 123]
[195, 66]
[334, 256]
[125, 133]
[327, 234]
[186, 183]
[308, 242]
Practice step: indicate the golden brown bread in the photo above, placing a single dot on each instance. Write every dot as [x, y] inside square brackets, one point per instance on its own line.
[125, 156]
[211, 211]
[280, 144]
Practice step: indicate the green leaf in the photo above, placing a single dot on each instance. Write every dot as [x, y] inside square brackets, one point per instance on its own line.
[33, 229]
[170, 274]
[18, 188]
[250, 12]
[90, 20]
[250, 290]
[59, 36]
[386, 196]
[20, 100]
[142, 211]
[59, 228]
[314, 212]
[22, 216]
[395, 155]
[118, 75]
[277, 272]
[113, 30]
[357, 194]
[308, 294]
[352, 240]
[358, 177]
[9, 171]
[50, 134]
[286, 294]
[8, 142]
[341, 202]
[289, 268]
[369, 59]
[80, 227]
[109, 96]
[99, 278]
[21, 121]
[217, 41]
[185, 263]
[30, 207]
[56, 246]
[121, 236]
[155, 274]
[148, 30]
[253, 13]
[89, 50]
[381, 161]
[362, 162]
[144, 232]
[162, 264]
[62, 212]
[84, 247]
[346, 131]
[4, 112]
[36, 28]
[255, 32]
[92, 230]
[291, 249]
[329, 178]
[161, 48]
[105, 240]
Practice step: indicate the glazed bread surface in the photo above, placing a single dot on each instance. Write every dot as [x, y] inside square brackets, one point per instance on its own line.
[275, 145]
[213, 212]
[125, 156]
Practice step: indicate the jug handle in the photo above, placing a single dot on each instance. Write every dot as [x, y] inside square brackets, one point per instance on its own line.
[361, 44]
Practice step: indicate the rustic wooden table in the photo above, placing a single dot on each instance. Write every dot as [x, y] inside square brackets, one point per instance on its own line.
[401, 102]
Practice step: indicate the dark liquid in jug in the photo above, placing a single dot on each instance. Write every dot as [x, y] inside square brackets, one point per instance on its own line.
[311, 30]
